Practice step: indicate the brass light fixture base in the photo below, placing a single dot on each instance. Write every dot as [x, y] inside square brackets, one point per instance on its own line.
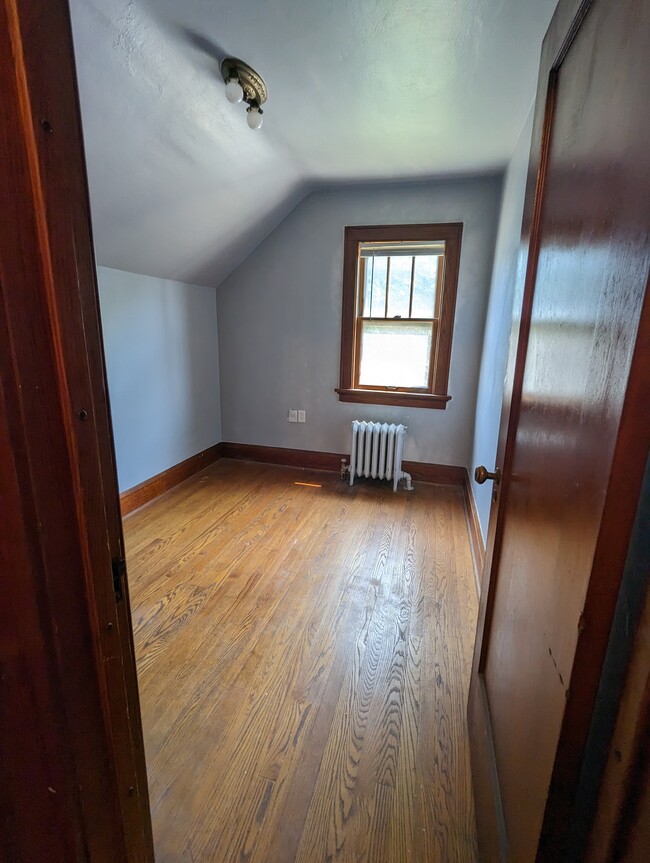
[251, 82]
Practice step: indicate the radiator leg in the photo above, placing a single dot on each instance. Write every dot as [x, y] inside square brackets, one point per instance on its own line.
[407, 477]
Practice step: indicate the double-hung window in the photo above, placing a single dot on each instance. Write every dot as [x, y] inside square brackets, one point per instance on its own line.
[399, 298]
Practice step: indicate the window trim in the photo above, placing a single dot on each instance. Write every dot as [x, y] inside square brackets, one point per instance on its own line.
[438, 395]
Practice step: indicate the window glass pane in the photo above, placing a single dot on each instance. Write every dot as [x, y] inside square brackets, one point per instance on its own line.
[399, 290]
[424, 285]
[374, 298]
[395, 354]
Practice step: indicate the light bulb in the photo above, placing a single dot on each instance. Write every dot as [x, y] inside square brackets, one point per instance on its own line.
[254, 117]
[234, 91]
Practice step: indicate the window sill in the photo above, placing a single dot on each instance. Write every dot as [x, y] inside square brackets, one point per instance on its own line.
[383, 397]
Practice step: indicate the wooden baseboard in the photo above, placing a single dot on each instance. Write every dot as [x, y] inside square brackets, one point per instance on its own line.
[315, 460]
[306, 458]
[443, 474]
[485, 779]
[474, 528]
[135, 497]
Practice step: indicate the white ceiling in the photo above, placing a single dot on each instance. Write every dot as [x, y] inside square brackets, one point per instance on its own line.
[181, 188]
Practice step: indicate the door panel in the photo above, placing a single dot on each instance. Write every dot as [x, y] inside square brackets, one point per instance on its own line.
[584, 296]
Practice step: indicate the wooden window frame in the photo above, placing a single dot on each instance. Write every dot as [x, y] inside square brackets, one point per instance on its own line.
[436, 395]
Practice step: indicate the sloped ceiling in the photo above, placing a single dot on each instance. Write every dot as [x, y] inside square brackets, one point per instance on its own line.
[359, 90]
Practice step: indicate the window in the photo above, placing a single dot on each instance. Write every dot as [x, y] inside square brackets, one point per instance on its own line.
[399, 298]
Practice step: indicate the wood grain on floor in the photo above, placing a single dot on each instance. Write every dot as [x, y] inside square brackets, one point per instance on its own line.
[303, 656]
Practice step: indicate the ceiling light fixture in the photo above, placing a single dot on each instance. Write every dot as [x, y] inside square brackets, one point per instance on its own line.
[244, 84]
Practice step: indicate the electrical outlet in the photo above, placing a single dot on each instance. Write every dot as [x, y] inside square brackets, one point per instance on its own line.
[301, 416]
[293, 416]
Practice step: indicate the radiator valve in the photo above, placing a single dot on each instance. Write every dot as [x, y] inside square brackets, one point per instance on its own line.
[344, 468]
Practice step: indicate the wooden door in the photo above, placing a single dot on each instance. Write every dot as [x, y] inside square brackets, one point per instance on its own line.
[574, 433]
[73, 784]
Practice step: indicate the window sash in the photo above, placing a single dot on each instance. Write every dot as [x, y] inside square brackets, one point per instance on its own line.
[435, 328]
[361, 289]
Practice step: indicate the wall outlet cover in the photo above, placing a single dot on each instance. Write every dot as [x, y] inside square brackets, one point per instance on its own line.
[301, 416]
[293, 416]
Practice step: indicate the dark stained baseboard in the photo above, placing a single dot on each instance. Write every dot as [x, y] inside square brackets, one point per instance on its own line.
[315, 460]
[474, 529]
[135, 497]
[443, 474]
[306, 458]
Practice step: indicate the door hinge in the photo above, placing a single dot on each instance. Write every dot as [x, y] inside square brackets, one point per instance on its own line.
[118, 565]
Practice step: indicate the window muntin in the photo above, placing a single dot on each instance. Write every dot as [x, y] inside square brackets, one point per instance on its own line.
[399, 302]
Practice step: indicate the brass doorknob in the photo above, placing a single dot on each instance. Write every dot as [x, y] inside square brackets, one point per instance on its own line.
[481, 474]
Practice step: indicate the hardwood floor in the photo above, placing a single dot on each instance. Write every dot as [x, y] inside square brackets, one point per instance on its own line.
[303, 656]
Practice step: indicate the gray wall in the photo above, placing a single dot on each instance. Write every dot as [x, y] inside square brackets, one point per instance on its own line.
[162, 361]
[509, 264]
[280, 320]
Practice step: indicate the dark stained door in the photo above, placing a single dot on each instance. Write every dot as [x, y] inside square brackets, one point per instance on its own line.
[574, 433]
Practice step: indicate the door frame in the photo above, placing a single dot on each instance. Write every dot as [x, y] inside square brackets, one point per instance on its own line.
[617, 520]
[67, 645]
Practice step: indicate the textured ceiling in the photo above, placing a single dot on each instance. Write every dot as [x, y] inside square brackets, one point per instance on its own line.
[359, 90]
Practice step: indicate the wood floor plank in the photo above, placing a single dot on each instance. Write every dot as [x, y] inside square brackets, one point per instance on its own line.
[303, 655]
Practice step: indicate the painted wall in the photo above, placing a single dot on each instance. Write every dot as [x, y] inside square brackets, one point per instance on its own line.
[509, 266]
[162, 361]
[280, 320]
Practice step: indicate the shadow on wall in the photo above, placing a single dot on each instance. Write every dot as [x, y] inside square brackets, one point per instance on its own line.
[163, 371]
[216, 268]
[507, 282]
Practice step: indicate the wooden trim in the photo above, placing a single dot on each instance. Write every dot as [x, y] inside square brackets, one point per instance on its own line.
[150, 489]
[393, 397]
[474, 529]
[311, 459]
[71, 744]
[448, 290]
[316, 460]
[134, 498]
[490, 821]
[349, 337]
[451, 233]
[416, 232]
[624, 796]
[442, 474]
